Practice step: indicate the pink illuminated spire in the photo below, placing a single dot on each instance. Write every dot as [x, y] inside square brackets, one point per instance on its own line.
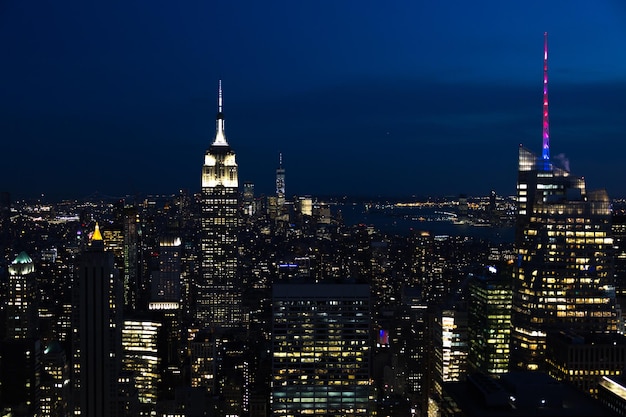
[546, 123]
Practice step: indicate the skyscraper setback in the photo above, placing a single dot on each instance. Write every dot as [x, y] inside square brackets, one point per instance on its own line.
[563, 276]
[96, 335]
[219, 290]
[20, 351]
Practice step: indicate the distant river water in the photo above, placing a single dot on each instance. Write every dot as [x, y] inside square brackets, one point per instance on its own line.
[402, 222]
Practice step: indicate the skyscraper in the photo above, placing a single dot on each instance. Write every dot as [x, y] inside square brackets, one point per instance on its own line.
[55, 387]
[280, 182]
[489, 321]
[141, 359]
[249, 205]
[218, 299]
[563, 277]
[131, 258]
[96, 333]
[22, 314]
[450, 348]
[321, 349]
[21, 353]
[167, 295]
[166, 289]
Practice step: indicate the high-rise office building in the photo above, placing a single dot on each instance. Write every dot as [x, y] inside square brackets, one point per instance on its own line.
[280, 182]
[55, 378]
[416, 331]
[113, 237]
[218, 301]
[450, 348]
[165, 286]
[619, 244]
[249, 205]
[203, 362]
[563, 275]
[166, 297]
[320, 348]
[96, 332]
[583, 360]
[489, 321]
[22, 313]
[141, 360]
[131, 256]
[20, 374]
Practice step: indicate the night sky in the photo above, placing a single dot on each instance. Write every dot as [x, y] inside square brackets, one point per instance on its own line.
[372, 98]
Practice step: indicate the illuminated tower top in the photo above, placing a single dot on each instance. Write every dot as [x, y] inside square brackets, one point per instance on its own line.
[280, 177]
[96, 233]
[220, 167]
[220, 136]
[545, 153]
[21, 309]
[96, 243]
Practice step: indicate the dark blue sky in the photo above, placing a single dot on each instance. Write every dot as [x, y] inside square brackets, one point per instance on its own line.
[362, 97]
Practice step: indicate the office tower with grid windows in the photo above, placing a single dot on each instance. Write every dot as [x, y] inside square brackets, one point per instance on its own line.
[321, 349]
[489, 321]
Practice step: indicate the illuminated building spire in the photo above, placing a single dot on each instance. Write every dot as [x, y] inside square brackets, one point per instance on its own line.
[545, 153]
[219, 97]
[96, 234]
[220, 136]
[280, 180]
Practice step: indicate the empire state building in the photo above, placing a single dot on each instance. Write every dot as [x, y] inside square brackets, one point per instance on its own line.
[218, 302]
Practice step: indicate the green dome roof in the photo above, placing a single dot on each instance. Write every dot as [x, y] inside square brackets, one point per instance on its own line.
[23, 258]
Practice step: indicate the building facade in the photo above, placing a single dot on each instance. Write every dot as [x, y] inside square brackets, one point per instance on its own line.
[20, 362]
[489, 322]
[218, 300]
[450, 348]
[280, 182]
[582, 360]
[55, 382]
[141, 359]
[563, 278]
[96, 332]
[321, 350]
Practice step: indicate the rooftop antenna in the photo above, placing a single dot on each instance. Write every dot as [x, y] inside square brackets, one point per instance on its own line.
[545, 154]
[219, 97]
[220, 136]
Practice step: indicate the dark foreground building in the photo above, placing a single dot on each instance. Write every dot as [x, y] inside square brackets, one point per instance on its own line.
[517, 394]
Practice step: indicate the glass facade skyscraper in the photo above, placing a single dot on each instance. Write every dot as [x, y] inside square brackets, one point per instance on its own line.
[489, 322]
[564, 271]
[563, 278]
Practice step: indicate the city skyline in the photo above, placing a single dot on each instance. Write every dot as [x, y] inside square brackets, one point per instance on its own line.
[410, 100]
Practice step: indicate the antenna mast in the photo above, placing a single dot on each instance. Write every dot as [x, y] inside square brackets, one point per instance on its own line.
[219, 97]
[546, 123]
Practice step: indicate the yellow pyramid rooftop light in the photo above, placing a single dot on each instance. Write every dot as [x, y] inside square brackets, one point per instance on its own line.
[96, 234]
